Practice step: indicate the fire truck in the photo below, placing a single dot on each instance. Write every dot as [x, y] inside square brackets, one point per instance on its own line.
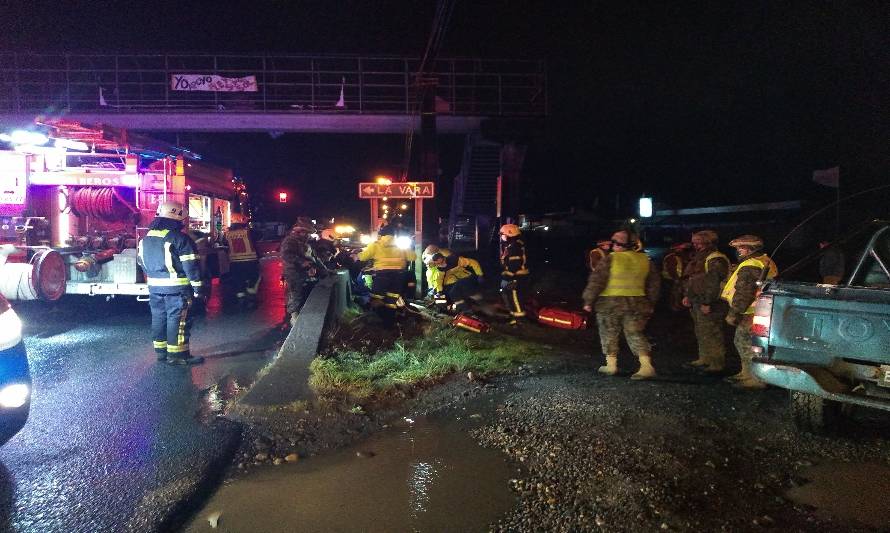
[71, 219]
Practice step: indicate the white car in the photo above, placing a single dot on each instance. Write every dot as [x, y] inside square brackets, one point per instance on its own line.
[15, 377]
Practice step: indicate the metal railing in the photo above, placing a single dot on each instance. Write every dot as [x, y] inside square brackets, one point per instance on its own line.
[116, 83]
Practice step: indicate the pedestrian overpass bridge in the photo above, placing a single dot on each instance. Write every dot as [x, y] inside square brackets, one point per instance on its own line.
[286, 93]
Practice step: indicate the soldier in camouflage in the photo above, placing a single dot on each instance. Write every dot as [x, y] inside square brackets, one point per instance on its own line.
[702, 279]
[301, 266]
[623, 289]
[740, 292]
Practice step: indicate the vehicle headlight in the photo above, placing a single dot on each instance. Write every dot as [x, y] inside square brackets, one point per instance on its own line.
[403, 242]
[12, 396]
[10, 328]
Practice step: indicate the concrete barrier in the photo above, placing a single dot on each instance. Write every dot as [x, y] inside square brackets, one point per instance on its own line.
[286, 380]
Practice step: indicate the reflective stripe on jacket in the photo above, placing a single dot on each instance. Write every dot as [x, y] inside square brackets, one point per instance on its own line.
[169, 259]
[760, 262]
[627, 274]
[385, 255]
[240, 247]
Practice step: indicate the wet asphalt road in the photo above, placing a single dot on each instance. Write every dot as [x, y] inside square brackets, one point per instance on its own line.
[115, 440]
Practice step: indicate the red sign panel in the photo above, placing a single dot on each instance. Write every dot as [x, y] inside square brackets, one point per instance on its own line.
[408, 189]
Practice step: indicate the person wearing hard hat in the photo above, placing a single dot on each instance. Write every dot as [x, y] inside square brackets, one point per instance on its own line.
[432, 273]
[740, 292]
[244, 265]
[301, 266]
[672, 273]
[173, 274]
[623, 290]
[597, 254]
[514, 271]
[702, 280]
[460, 280]
[389, 262]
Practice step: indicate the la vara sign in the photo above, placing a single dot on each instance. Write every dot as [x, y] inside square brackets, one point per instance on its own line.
[408, 189]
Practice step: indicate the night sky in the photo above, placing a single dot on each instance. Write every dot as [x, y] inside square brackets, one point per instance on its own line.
[695, 104]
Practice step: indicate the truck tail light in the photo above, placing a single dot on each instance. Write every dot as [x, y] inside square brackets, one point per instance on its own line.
[763, 310]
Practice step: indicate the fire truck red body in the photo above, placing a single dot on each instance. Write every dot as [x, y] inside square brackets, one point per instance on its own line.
[70, 221]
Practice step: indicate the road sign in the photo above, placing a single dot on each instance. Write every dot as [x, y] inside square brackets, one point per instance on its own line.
[408, 189]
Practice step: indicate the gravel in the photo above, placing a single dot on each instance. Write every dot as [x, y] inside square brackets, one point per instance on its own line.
[600, 453]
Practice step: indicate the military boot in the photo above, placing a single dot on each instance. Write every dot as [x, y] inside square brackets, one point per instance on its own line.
[751, 383]
[611, 367]
[701, 361]
[646, 371]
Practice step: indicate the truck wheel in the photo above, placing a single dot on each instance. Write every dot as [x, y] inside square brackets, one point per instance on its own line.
[814, 414]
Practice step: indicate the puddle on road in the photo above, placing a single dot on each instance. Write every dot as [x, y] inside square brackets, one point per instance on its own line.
[425, 476]
[850, 492]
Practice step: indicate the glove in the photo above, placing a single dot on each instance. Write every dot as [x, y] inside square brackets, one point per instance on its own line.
[732, 319]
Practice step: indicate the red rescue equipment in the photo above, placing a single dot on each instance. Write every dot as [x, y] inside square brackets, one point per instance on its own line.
[560, 318]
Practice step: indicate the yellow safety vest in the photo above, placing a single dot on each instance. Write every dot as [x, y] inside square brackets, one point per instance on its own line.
[465, 268]
[627, 274]
[760, 262]
[715, 255]
[433, 275]
[386, 255]
[240, 248]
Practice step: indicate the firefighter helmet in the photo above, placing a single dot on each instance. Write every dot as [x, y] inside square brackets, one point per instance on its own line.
[749, 241]
[510, 230]
[327, 234]
[171, 210]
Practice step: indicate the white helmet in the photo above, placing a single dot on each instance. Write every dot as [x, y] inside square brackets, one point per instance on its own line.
[171, 210]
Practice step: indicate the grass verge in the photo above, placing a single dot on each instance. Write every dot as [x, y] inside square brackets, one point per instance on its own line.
[428, 358]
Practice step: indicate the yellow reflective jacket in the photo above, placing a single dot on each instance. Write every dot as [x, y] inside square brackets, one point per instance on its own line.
[750, 292]
[627, 274]
[385, 255]
[433, 274]
[464, 267]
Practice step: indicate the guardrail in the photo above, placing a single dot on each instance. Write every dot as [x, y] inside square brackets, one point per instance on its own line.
[119, 83]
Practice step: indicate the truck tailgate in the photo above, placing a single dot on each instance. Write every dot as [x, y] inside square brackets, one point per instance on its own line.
[839, 322]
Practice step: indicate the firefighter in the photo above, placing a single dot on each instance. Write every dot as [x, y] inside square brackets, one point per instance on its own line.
[740, 292]
[703, 278]
[460, 279]
[389, 263]
[432, 273]
[173, 273]
[597, 254]
[672, 273]
[514, 273]
[623, 289]
[244, 266]
[301, 267]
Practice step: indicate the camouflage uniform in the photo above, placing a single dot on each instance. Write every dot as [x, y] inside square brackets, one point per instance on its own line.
[701, 286]
[301, 268]
[617, 313]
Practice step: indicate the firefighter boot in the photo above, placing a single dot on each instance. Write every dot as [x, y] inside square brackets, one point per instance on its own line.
[611, 367]
[185, 360]
[646, 371]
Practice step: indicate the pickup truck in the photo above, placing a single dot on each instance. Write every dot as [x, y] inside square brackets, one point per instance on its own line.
[829, 345]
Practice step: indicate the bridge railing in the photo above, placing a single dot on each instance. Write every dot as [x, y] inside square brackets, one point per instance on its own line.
[116, 83]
